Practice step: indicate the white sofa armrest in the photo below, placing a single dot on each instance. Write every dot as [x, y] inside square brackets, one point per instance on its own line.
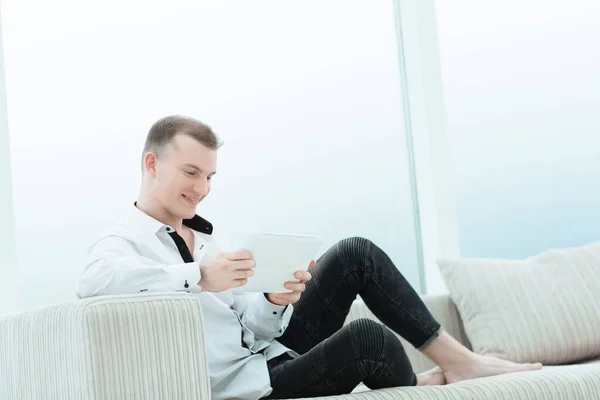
[143, 346]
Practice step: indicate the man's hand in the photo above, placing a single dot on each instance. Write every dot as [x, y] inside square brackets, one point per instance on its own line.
[227, 271]
[284, 299]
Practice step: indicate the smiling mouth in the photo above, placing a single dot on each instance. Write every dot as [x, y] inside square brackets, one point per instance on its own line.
[191, 200]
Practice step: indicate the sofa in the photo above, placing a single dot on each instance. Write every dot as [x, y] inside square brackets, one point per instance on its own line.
[151, 346]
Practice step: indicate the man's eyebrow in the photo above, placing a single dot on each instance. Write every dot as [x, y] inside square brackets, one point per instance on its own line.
[198, 168]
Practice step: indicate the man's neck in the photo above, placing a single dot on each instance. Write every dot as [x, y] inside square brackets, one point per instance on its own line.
[156, 211]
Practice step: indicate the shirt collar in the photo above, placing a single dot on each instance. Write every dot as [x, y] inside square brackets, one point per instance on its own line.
[150, 224]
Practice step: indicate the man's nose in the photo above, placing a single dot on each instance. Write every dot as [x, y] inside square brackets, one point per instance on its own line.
[201, 188]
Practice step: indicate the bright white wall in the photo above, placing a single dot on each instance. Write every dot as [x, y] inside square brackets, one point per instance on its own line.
[523, 98]
[306, 97]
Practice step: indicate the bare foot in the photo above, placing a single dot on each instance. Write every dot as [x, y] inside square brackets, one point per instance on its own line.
[483, 366]
[434, 376]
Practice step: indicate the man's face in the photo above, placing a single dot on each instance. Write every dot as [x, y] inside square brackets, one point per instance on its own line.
[182, 174]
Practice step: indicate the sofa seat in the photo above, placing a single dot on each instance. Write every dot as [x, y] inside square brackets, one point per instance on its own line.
[568, 382]
[151, 346]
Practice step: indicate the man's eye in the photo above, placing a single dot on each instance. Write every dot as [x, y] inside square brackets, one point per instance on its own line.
[191, 173]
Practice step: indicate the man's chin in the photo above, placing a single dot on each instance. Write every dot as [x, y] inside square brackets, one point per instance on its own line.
[189, 213]
[183, 212]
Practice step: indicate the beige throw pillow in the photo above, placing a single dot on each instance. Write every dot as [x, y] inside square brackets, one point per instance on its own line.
[545, 308]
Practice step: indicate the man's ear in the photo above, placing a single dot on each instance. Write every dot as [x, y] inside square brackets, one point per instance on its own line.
[150, 161]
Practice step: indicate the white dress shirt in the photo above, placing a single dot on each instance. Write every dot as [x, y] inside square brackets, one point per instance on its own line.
[138, 255]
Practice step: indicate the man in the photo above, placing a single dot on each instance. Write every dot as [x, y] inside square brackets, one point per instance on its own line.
[269, 345]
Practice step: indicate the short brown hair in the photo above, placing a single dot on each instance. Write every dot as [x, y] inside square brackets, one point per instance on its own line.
[165, 129]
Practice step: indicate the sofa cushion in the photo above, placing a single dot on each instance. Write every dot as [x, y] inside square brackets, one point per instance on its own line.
[543, 308]
[572, 382]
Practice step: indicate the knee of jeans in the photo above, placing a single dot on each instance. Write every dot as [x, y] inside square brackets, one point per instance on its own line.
[354, 250]
[368, 338]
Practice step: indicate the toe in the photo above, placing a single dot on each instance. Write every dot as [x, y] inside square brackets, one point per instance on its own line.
[534, 366]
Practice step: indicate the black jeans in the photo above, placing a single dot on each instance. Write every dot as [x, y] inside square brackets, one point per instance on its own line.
[335, 358]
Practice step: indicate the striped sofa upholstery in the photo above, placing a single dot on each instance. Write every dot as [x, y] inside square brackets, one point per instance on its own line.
[569, 382]
[543, 308]
[150, 346]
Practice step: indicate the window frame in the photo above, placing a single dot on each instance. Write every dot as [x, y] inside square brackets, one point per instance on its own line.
[8, 256]
[434, 202]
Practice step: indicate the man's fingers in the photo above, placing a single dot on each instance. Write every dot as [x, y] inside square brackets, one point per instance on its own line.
[284, 299]
[243, 264]
[303, 276]
[243, 273]
[240, 282]
[296, 287]
[239, 255]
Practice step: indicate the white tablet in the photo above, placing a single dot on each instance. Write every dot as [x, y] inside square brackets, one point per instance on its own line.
[278, 256]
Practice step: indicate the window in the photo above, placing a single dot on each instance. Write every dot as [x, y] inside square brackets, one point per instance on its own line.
[522, 86]
[308, 101]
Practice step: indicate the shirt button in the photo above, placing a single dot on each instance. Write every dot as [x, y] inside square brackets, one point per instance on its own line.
[168, 229]
[186, 285]
[280, 331]
[274, 312]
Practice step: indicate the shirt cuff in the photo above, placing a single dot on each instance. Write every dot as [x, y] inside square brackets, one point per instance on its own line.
[273, 311]
[185, 277]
